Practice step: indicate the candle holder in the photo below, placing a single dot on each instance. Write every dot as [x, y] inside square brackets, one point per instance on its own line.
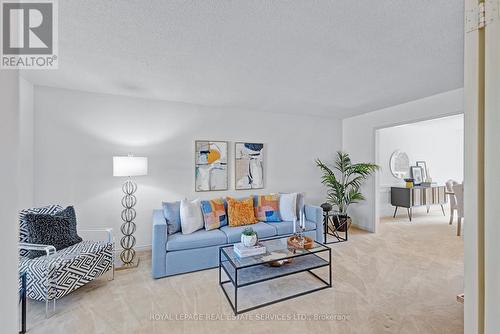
[299, 234]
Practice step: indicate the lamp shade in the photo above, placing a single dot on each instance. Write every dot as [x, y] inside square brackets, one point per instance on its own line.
[130, 166]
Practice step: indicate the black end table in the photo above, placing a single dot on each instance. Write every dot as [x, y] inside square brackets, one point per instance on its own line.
[339, 231]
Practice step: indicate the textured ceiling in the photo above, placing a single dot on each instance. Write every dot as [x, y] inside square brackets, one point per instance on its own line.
[337, 58]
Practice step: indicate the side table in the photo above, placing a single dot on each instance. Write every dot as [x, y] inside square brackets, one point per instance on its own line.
[339, 231]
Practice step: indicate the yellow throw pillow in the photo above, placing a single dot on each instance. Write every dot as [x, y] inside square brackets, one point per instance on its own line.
[240, 212]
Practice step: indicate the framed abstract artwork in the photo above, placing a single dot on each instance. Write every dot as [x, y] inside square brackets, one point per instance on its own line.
[210, 165]
[249, 166]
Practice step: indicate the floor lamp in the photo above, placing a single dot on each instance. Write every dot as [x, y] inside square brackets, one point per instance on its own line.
[129, 166]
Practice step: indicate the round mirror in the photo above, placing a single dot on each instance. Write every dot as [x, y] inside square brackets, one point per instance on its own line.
[400, 164]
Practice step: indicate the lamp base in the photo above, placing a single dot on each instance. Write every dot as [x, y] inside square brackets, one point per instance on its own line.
[131, 265]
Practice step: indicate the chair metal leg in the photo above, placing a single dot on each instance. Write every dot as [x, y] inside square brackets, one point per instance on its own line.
[409, 213]
[395, 211]
[48, 313]
[111, 273]
[442, 208]
[451, 215]
[48, 299]
[459, 226]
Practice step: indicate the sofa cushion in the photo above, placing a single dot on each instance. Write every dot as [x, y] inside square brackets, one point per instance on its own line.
[200, 238]
[283, 228]
[234, 233]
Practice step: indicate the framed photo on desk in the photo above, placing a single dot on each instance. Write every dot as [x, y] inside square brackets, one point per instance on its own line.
[425, 172]
[417, 175]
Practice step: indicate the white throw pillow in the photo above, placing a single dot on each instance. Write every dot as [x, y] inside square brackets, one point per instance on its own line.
[288, 205]
[191, 216]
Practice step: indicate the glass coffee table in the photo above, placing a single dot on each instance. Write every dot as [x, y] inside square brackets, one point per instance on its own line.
[242, 272]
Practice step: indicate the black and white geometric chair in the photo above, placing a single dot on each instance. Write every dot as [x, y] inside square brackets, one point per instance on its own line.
[58, 273]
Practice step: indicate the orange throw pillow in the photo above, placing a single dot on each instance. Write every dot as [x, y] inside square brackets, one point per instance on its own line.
[240, 212]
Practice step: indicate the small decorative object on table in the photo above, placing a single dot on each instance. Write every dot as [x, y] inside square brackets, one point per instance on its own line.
[280, 263]
[298, 235]
[327, 207]
[242, 251]
[249, 237]
[304, 243]
[409, 182]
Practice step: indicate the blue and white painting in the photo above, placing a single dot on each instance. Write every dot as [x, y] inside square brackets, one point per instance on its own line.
[210, 165]
[249, 166]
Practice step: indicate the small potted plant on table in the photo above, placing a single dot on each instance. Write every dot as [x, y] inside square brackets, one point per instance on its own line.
[344, 188]
[249, 237]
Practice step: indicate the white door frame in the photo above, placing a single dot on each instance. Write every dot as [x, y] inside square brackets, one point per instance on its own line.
[492, 180]
[481, 187]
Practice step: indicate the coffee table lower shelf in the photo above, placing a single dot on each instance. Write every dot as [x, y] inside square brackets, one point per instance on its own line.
[242, 277]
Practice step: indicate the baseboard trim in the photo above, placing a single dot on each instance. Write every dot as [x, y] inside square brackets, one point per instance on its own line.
[360, 227]
[138, 249]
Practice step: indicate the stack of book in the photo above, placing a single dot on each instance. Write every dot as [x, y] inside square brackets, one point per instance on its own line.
[243, 251]
[428, 184]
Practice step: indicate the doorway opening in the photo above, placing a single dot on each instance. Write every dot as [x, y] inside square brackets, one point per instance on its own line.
[429, 155]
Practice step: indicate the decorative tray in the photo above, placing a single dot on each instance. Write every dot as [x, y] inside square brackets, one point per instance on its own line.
[294, 242]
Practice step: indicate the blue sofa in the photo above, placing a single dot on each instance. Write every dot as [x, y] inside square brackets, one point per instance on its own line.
[182, 253]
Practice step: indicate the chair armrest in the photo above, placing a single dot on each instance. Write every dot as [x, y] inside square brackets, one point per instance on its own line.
[108, 231]
[159, 244]
[315, 214]
[49, 249]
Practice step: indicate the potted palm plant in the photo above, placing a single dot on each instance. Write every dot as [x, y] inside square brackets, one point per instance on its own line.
[344, 181]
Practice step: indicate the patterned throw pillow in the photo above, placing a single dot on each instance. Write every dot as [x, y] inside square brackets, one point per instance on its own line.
[58, 230]
[240, 212]
[23, 224]
[214, 213]
[267, 208]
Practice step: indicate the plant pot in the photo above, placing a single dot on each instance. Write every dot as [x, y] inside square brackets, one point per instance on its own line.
[249, 240]
[342, 222]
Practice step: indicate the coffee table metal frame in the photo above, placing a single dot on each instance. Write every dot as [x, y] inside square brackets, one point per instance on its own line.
[236, 285]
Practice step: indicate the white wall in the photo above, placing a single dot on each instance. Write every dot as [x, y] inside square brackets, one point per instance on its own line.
[9, 143]
[26, 144]
[77, 133]
[359, 140]
[438, 142]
